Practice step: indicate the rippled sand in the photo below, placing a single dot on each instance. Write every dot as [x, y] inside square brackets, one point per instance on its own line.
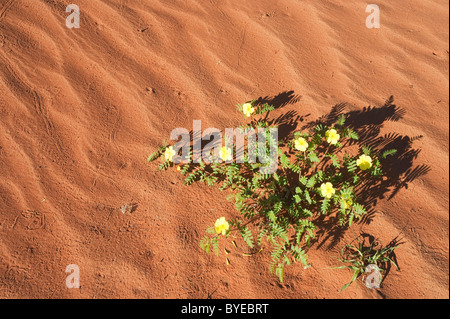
[81, 109]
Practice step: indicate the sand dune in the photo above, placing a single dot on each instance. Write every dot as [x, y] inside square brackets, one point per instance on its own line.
[81, 109]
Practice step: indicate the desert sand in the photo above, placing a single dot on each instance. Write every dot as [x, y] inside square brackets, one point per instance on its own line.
[81, 109]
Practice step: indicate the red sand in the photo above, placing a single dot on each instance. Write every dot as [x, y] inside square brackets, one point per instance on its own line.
[81, 109]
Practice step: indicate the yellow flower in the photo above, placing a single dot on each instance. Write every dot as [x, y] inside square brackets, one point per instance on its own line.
[327, 190]
[301, 144]
[169, 154]
[332, 136]
[248, 109]
[347, 202]
[226, 154]
[364, 162]
[221, 226]
[179, 168]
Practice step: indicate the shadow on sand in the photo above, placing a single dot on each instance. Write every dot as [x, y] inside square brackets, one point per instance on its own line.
[399, 169]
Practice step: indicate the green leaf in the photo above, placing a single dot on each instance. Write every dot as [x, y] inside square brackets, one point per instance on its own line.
[308, 197]
[279, 272]
[205, 244]
[247, 236]
[277, 207]
[313, 157]
[265, 108]
[335, 160]
[353, 135]
[153, 156]
[284, 161]
[388, 153]
[311, 182]
[352, 166]
[341, 120]
[215, 245]
[367, 150]
[355, 275]
[304, 180]
[307, 213]
[276, 177]
[325, 206]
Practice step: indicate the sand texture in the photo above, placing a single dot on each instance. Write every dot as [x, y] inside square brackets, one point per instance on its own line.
[81, 110]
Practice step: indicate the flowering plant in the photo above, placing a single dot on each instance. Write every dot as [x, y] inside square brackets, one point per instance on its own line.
[316, 178]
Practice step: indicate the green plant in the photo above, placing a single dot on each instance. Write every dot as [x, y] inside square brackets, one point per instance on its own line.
[360, 256]
[317, 176]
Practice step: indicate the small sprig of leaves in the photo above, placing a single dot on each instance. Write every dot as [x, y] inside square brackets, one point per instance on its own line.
[208, 243]
[361, 255]
[155, 155]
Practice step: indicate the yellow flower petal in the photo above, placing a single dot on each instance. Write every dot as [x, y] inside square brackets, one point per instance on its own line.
[221, 226]
[347, 202]
[327, 190]
[332, 136]
[169, 153]
[248, 109]
[301, 144]
[364, 162]
[226, 154]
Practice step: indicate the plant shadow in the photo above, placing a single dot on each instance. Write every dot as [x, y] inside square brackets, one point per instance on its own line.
[287, 122]
[399, 168]
[280, 100]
